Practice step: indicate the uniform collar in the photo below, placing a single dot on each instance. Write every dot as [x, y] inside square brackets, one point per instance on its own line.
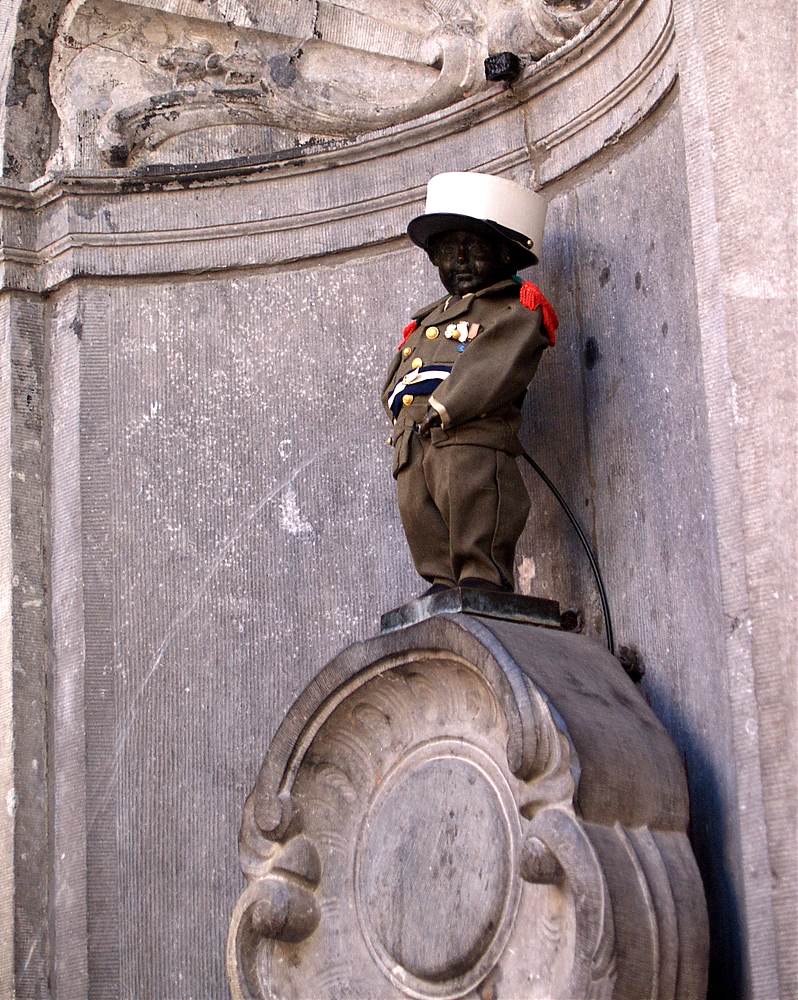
[426, 310]
[500, 286]
[459, 306]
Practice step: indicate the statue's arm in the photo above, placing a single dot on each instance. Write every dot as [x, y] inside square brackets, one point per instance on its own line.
[495, 369]
[389, 380]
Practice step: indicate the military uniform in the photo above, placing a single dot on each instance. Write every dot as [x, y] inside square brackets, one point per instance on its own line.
[463, 508]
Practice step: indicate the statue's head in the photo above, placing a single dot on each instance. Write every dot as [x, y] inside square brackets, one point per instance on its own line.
[468, 261]
[478, 229]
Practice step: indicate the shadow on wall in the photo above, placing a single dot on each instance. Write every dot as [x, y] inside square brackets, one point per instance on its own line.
[616, 416]
[711, 833]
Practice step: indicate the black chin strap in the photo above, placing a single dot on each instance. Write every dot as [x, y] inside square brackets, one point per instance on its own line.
[605, 604]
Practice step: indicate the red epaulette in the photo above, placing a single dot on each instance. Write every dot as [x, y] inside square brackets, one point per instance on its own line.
[532, 297]
[411, 327]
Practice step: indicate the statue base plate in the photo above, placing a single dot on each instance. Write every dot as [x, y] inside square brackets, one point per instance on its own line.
[484, 603]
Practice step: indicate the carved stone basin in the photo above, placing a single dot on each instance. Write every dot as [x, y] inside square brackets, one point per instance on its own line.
[440, 840]
[469, 807]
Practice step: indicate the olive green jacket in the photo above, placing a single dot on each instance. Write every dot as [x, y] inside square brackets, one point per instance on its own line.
[480, 400]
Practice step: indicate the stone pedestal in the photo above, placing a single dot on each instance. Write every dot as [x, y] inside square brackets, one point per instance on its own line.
[469, 807]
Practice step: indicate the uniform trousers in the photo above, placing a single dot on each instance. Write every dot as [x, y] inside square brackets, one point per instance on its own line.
[463, 508]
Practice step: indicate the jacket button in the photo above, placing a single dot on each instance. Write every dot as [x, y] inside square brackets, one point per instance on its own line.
[407, 400]
[431, 332]
[416, 363]
[406, 352]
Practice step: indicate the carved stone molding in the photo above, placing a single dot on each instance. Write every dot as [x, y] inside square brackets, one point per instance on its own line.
[466, 808]
[570, 106]
[127, 76]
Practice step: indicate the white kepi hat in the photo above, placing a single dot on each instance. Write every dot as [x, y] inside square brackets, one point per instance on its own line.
[474, 201]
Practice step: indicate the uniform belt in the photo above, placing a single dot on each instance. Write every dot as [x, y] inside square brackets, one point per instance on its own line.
[418, 382]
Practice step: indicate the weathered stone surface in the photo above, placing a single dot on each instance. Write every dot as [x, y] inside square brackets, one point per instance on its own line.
[24, 841]
[493, 804]
[741, 130]
[307, 70]
[208, 336]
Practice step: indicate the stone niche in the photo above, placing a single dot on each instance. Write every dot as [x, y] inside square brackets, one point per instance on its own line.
[196, 543]
[469, 808]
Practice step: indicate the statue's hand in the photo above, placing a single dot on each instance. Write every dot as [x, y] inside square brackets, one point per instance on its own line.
[431, 420]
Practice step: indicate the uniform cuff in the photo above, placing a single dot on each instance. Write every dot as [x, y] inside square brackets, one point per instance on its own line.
[441, 410]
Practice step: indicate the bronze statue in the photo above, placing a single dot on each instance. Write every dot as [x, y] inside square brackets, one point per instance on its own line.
[458, 379]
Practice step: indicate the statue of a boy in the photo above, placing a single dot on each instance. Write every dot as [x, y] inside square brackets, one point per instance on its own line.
[458, 379]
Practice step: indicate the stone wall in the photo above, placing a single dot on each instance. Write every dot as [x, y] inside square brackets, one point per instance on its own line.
[194, 431]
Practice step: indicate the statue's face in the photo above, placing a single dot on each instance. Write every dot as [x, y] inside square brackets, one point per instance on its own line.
[468, 262]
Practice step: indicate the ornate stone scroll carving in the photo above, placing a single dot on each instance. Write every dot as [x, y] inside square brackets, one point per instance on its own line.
[138, 73]
[469, 809]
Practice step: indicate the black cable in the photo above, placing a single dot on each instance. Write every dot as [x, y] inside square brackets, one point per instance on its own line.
[605, 604]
